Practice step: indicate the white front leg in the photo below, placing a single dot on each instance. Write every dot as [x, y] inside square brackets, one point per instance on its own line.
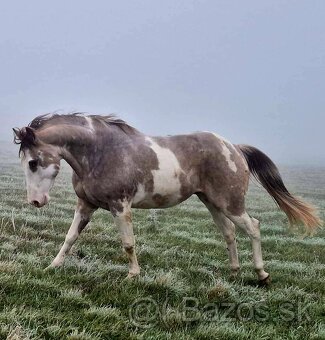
[82, 216]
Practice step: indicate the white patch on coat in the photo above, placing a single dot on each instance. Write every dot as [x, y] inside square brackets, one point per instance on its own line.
[227, 152]
[90, 123]
[140, 195]
[166, 178]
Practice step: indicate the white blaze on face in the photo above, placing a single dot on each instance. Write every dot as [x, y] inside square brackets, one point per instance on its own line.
[40, 181]
[166, 181]
[227, 152]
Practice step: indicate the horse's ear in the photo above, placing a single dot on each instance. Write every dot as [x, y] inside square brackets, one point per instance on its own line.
[16, 133]
[25, 136]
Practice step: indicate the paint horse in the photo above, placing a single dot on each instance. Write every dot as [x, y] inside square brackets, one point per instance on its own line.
[116, 167]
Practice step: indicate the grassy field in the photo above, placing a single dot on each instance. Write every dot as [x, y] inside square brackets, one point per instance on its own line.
[184, 291]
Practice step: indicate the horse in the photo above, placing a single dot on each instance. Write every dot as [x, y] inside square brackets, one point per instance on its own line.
[116, 168]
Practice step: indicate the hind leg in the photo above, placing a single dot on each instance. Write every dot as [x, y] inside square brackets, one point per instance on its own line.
[252, 228]
[227, 229]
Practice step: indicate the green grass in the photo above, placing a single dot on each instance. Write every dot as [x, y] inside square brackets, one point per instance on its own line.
[184, 290]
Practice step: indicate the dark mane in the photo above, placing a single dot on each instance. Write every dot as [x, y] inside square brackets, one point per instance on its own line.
[25, 137]
[77, 118]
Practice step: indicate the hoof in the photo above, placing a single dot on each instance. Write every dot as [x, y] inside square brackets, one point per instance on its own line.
[133, 275]
[234, 274]
[265, 282]
[53, 266]
[48, 268]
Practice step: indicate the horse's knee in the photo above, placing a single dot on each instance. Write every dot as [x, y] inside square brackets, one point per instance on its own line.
[128, 247]
[254, 234]
[255, 231]
[229, 238]
[256, 223]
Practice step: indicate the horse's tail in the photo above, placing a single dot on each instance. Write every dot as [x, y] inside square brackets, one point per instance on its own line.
[266, 172]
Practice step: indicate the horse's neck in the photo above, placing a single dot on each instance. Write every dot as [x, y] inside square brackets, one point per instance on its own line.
[77, 144]
[74, 143]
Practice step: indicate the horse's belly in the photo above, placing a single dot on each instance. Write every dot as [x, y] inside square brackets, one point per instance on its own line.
[163, 198]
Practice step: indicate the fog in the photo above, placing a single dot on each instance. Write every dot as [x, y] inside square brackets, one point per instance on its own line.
[251, 71]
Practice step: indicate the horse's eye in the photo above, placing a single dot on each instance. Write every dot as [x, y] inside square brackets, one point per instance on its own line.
[33, 165]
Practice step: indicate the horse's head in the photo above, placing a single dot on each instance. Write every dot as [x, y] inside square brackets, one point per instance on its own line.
[41, 164]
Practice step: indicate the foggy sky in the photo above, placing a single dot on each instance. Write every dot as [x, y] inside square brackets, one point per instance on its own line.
[252, 71]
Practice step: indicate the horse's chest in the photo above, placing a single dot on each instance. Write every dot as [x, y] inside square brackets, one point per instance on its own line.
[92, 191]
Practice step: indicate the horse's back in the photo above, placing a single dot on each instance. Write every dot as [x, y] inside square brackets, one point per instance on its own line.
[205, 152]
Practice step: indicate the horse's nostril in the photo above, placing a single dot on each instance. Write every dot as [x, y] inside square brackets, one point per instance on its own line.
[36, 203]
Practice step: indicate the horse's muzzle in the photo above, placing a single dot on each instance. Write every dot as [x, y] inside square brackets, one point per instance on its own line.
[39, 203]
